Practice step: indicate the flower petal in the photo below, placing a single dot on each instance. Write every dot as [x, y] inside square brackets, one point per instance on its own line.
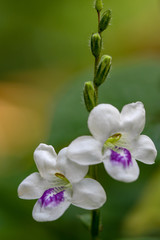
[33, 187]
[88, 194]
[45, 159]
[118, 169]
[144, 150]
[104, 121]
[85, 150]
[133, 118]
[71, 170]
[49, 207]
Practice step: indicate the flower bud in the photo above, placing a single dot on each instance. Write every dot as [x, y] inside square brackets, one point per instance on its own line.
[89, 95]
[98, 5]
[96, 44]
[105, 20]
[103, 70]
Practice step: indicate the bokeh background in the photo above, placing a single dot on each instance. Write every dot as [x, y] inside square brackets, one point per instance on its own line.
[44, 61]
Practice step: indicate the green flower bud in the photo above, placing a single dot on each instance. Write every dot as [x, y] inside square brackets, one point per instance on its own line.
[103, 70]
[105, 20]
[89, 95]
[96, 44]
[98, 5]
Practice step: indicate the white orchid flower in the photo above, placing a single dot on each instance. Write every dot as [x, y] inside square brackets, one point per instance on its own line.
[59, 183]
[115, 141]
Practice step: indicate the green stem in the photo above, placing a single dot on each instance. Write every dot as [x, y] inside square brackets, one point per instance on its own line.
[96, 65]
[96, 94]
[95, 71]
[99, 17]
[95, 222]
[96, 62]
[95, 87]
[93, 171]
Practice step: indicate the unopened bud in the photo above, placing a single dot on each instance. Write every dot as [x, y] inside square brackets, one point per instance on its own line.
[89, 95]
[98, 5]
[103, 70]
[96, 44]
[105, 20]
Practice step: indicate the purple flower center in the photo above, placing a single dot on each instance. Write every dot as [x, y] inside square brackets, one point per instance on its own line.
[121, 156]
[51, 197]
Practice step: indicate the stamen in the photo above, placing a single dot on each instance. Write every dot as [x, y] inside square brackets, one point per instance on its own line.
[112, 140]
[61, 176]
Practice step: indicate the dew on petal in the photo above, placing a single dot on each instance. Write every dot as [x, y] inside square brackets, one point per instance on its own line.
[51, 197]
[121, 156]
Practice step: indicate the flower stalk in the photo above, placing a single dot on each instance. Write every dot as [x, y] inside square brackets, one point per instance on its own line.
[95, 227]
[97, 60]
[101, 69]
[95, 222]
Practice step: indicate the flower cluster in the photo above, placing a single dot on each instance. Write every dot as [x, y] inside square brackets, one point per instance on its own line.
[62, 181]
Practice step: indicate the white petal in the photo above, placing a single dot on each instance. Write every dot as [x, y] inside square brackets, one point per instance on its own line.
[71, 170]
[133, 118]
[104, 121]
[33, 187]
[118, 171]
[45, 159]
[88, 194]
[52, 211]
[85, 150]
[144, 150]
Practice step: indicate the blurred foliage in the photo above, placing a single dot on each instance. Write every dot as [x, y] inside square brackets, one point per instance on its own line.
[139, 238]
[145, 216]
[42, 34]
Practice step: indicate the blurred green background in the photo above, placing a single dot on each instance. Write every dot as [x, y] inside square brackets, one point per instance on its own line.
[45, 60]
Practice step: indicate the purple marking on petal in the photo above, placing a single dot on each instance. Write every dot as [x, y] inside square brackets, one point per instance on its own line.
[50, 197]
[121, 156]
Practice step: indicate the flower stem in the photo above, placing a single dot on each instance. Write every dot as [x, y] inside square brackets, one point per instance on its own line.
[93, 171]
[99, 18]
[95, 224]
[95, 71]
[96, 63]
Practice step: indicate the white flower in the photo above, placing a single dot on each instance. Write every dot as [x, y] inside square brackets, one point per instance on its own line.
[59, 183]
[116, 141]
